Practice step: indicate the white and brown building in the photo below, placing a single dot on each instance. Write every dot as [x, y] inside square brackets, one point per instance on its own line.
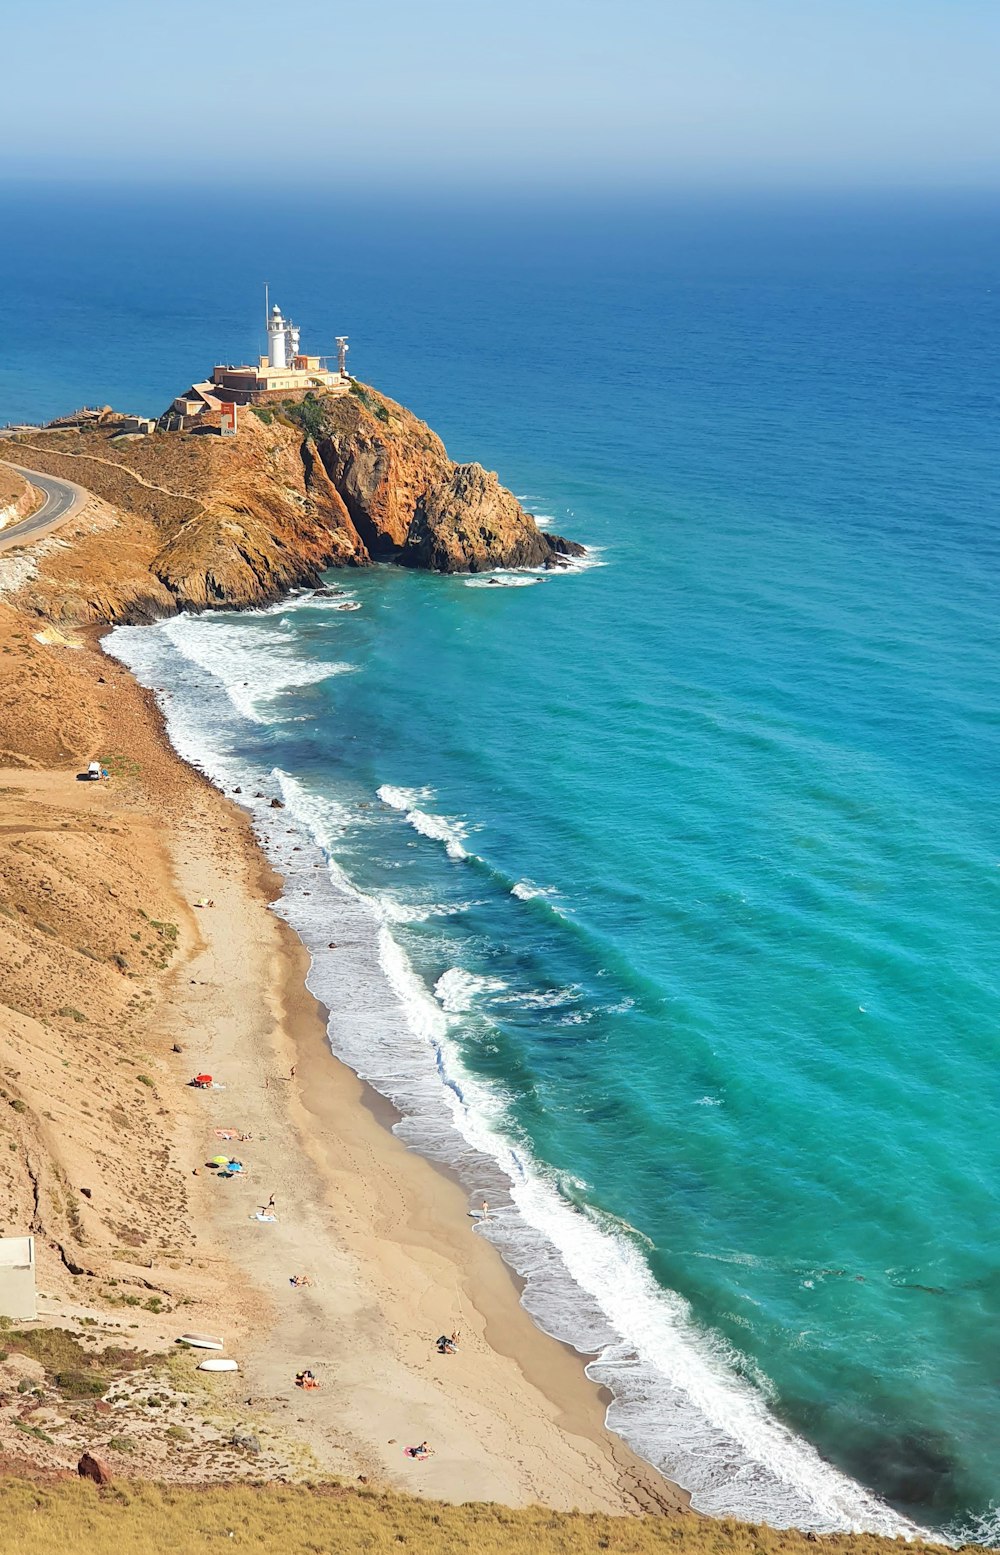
[284, 372]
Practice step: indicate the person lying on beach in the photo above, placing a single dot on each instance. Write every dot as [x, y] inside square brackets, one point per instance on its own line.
[300, 1279]
[447, 1346]
[420, 1451]
[305, 1379]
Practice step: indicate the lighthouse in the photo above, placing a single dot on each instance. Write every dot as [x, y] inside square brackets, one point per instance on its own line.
[285, 373]
[282, 340]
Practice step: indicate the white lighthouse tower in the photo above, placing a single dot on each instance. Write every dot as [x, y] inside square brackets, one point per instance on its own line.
[285, 370]
[279, 330]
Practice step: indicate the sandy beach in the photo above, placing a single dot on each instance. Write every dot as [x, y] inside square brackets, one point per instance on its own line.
[383, 1236]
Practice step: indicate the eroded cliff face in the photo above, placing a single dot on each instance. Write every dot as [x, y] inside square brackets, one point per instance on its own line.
[209, 522]
[411, 504]
[201, 521]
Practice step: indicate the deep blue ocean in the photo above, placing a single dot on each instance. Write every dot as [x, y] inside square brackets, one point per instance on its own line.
[664, 893]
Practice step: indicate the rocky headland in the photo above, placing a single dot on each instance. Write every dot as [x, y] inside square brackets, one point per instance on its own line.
[330, 480]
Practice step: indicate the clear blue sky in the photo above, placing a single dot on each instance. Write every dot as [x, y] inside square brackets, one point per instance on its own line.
[493, 92]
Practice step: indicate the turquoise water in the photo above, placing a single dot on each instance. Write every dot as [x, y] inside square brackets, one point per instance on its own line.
[664, 893]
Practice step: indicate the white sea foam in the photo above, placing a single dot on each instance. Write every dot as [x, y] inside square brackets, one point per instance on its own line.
[253, 665]
[679, 1394]
[396, 911]
[441, 828]
[457, 990]
[593, 556]
[544, 998]
[308, 599]
[527, 891]
[403, 798]
[522, 577]
[984, 1529]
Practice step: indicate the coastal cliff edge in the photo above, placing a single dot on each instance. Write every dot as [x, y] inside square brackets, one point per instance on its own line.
[211, 522]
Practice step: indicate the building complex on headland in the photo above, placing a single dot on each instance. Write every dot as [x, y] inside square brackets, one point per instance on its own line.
[283, 373]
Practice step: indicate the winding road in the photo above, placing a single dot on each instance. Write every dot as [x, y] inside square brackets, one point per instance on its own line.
[62, 499]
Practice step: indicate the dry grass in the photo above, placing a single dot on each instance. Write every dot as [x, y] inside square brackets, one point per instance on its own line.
[152, 1520]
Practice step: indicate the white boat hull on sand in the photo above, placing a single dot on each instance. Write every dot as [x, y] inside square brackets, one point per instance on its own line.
[201, 1341]
[218, 1365]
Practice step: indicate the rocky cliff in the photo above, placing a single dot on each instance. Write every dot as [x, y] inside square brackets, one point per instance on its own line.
[410, 503]
[332, 480]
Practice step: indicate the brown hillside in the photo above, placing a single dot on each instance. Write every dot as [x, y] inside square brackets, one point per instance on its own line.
[204, 521]
[90, 928]
[147, 1520]
[17, 498]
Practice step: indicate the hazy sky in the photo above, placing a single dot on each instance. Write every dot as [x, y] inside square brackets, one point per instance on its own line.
[541, 92]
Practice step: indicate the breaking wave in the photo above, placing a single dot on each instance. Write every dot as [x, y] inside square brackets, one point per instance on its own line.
[253, 671]
[457, 990]
[441, 828]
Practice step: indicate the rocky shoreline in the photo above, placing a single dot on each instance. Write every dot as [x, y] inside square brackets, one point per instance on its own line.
[208, 522]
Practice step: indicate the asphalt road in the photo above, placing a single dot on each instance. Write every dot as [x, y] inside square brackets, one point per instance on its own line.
[62, 499]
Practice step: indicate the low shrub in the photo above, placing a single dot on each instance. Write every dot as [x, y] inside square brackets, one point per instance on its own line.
[77, 1384]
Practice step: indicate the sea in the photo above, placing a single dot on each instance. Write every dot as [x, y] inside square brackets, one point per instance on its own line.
[659, 895]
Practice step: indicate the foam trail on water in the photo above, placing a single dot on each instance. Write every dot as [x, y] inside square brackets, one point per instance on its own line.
[253, 669]
[527, 891]
[441, 828]
[522, 577]
[677, 1393]
[593, 556]
[458, 990]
